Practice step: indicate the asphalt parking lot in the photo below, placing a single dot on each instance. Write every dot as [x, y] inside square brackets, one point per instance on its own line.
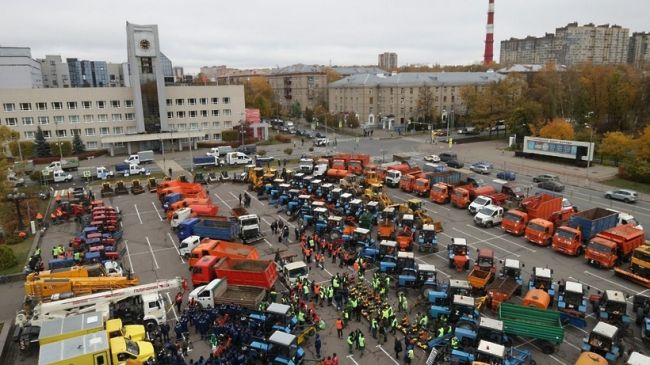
[151, 252]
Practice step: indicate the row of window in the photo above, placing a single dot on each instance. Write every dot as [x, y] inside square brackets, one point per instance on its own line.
[196, 113]
[195, 101]
[89, 118]
[70, 105]
[203, 125]
[62, 133]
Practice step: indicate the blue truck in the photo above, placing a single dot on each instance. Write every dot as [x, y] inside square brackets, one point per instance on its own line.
[205, 161]
[593, 221]
[219, 228]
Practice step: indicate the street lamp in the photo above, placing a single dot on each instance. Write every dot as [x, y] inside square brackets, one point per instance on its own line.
[56, 128]
[17, 197]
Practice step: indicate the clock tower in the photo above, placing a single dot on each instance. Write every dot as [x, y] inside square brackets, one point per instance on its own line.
[147, 79]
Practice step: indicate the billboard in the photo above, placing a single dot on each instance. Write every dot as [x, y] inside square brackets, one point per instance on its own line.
[559, 148]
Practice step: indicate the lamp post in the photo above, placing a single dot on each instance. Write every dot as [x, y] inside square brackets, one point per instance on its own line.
[17, 197]
[56, 128]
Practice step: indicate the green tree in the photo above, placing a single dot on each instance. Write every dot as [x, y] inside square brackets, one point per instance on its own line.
[77, 144]
[295, 110]
[42, 147]
[616, 145]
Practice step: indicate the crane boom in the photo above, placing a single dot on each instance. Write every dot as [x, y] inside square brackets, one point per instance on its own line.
[110, 296]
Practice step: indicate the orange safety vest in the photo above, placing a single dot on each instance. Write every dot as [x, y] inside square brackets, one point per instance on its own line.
[339, 324]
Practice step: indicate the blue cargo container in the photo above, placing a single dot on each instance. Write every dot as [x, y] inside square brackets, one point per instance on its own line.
[202, 161]
[226, 230]
[171, 199]
[185, 228]
[593, 221]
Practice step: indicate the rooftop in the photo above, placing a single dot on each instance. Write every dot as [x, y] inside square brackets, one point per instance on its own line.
[297, 69]
[406, 79]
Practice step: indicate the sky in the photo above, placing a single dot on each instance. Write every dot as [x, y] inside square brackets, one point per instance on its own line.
[266, 33]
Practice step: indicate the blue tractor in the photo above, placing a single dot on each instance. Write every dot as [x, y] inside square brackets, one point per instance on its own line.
[605, 340]
[442, 296]
[296, 180]
[277, 317]
[279, 348]
[611, 307]
[324, 191]
[426, 239]
[641, 307]
[334, 196]
[418, 276]
[572, 303]
[320, 218]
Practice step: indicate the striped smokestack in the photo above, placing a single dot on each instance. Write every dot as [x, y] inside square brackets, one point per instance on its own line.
[489, 36]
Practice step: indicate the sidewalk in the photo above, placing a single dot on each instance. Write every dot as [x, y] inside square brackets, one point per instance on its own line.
[177, 169]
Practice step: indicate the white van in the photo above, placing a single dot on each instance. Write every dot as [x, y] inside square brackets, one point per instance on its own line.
[219, 151]
[237, 158]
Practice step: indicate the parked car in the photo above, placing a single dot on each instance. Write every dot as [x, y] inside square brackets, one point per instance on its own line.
[432, 158]
[447, 156]
[455, 164]
[551, 185]
[625, 195]
[507, 175]
[321, 142]
[545, 177]
[481, 169]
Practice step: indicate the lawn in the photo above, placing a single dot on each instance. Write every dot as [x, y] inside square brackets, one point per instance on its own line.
[21, 250]
[627, 184]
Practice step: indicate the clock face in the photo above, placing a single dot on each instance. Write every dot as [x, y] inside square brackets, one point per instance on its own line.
[144, 44]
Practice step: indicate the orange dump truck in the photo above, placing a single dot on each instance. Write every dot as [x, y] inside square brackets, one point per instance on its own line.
[219, 249]
[463, 196]
[441, 193]
[572, 238]
[407, 182]
[539, 206]
[614, 246]
[187, 189]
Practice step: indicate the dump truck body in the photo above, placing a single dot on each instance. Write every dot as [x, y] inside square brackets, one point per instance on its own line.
[259, 273]
[593, 221]
[218, 292]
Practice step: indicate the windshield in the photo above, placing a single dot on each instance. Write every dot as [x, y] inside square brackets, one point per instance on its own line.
[612, 307]
[436, 189]
[481, 201]
[458, 193]
[485, 211]
[132, 347]
[536, 227]
[633, 222]
[420, 183]
[298, 272]
[512, 217]
[599, 248]
[565, 234]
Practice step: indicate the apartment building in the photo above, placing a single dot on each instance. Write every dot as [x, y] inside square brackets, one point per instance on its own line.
[126, 119]
[387, 61]
[54, 71]
[639, 51]
[377, 99]
[570, 45]
[305, 85]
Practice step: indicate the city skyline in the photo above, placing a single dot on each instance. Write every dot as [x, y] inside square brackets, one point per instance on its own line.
[267, 36]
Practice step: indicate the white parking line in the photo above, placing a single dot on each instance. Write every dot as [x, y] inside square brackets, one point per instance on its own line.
[352, 359]
[437, 269]
[174, 244]
[152, 253]
[572, 345]
[268, 243]
[126, 245]
[387, 354]
[136, 210]
[501, 237]
[157, 212]
[172, 303]
[149, 252]
[478, 240]
[265, 221]
[235, 196]
[257, 200]
[287, 222]
[609, 281]
[223, 201]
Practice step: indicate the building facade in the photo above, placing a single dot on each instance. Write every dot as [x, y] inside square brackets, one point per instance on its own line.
[178, 74]
[127, 119]
[393, 100]
[55, 73]
[387, 61]
[639, 52]
[86, 73]
[18, 69]
[570, 45]
[303, 85]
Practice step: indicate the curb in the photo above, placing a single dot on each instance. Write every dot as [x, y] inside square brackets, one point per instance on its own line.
[7, 327]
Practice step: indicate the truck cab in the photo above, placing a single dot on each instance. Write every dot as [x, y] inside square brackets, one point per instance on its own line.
[203, 270]
[541, 278]
[188, 245]
[572, 303]
[540, 232]
[458, 254]
[115, 328]
[514, 222]
[601, 252]
[249, 226]
[611, 307]
[440, 193]
[460, 198]
[123, 349]
[568, 241]
[306, 165]
[489, 216]
[605, 340]
[478, 203]
[293, 271]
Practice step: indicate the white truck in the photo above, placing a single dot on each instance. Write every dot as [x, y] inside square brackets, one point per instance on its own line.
[489, 216]
[56, 176]
[237, 158]
[306, 165]
[480, 202]
[99, 172]
[218, 292]
[290, 272]
[128, 169]
[141, 157]
[141, 304]
[320, 168]
[71, 163]
[249, 228]
[187, 245]
[219, 151]
[180, 215]
[392, 178]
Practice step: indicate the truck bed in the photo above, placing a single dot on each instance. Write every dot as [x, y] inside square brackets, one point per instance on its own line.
[479, 278]
[531, 322]
[246, 296]
[259, 273]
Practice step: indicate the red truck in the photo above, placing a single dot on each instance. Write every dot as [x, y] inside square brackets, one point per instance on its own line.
[259, 273]
[614, 246]
[541, 206]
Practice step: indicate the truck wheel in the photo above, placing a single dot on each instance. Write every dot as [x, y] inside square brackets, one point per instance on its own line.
[150, 325]
[579, 251]
[547, 348]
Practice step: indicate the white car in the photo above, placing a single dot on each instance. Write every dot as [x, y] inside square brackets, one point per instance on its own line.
[432, 158]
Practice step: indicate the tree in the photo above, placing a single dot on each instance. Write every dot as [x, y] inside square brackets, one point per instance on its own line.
[259, 94]
[643, 145]
[558, 128]
[332, 75]
[42, 147]
[352, 121]
[616, 145]
[309, 115]
[425, 106]
[288, 151]
[77, 145]
[295, 110]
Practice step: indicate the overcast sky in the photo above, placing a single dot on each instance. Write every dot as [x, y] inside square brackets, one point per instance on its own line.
[266, 33]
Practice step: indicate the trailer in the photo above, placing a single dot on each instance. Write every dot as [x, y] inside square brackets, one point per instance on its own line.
[218, 228]
[542, 325]
[205, 161]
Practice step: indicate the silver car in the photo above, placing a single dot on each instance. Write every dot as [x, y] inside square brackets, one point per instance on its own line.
[625, 195]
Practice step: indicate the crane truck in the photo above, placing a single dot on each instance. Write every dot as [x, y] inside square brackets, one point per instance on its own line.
[136, 304]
